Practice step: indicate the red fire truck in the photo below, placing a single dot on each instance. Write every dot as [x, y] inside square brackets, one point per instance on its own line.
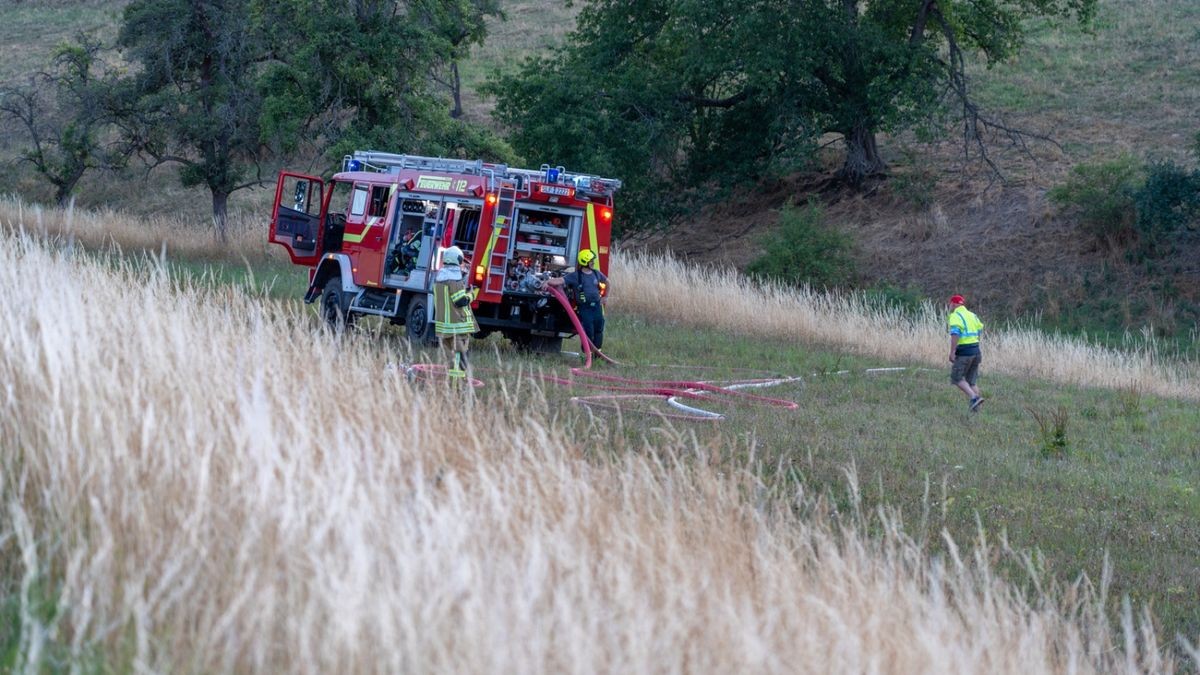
[371, 238]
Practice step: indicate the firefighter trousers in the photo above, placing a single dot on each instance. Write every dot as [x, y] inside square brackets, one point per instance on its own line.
[591, 317]
[458, 346]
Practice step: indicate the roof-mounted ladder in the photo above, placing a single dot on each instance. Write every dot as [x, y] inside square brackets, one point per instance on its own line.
[381, 161]
[370, 160]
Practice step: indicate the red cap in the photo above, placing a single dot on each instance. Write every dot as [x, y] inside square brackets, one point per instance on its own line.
[957, 300]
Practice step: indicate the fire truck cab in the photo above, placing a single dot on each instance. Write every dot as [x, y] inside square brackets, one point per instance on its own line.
[372, 235]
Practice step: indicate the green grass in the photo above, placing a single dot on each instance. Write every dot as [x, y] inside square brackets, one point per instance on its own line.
[39, 603]
[275, 279]
[529, 27]
[30, 31]
[1125, 485]
[1132, 82]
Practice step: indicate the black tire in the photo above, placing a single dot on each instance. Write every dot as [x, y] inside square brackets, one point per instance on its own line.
[417, 324]
[335, 305]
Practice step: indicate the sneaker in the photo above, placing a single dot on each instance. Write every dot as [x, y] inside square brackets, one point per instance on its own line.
[975, 403]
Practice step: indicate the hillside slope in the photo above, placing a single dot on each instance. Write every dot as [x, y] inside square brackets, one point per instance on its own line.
[939, 226]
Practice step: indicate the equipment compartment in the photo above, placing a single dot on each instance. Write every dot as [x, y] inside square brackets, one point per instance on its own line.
[542, 241]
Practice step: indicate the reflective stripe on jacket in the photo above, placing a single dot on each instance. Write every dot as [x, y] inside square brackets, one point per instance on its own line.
[965, 325]
[448, 318]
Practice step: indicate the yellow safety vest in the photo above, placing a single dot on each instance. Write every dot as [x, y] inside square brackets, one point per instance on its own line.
[965, 325]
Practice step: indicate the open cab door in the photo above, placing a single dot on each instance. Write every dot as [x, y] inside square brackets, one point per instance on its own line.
[298, 218]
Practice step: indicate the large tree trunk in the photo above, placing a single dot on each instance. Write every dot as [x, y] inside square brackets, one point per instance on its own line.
[64, 187]
[220, 201]
[456, 87]
[862, 156]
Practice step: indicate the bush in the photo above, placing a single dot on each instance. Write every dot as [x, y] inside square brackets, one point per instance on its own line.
[908, 300]
[1052, 431]
[1168, 201]
[1102, 196]
[915, 186]
[805, 251]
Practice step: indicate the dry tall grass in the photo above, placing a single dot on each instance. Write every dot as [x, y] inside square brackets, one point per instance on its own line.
[723, 299]
[698, 296]
[195, 482]
[106, 229]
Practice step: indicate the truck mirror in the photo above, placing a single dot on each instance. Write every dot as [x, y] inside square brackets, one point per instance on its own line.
[301, 196]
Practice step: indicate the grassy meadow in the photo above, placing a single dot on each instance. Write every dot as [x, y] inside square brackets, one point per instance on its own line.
[195, 476]
[188, 462]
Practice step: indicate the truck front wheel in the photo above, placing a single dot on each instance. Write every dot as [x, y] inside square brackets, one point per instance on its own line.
[335, 305]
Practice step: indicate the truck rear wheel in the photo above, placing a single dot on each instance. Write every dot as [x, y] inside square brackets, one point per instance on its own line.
[335, 305]
[417, 325]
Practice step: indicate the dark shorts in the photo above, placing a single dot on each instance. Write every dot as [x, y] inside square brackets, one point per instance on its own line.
[966, 367]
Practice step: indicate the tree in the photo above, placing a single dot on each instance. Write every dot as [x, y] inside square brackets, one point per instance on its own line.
[654, 92]
[195, 100]
[63, 114]
[355, 70]
[460, 24]
[346, 76]
[685, 93]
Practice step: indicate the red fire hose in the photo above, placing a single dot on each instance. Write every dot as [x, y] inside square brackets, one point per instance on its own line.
[671, 390]
[622, 389]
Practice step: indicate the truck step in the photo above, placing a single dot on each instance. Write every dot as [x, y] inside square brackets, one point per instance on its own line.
[380, 303]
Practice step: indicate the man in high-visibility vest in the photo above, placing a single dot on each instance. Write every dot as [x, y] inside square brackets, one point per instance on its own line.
[965, 355]
[453, 321]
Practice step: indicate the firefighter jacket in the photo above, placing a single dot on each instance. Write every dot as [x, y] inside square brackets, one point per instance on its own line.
[963, 323]
[452, 304]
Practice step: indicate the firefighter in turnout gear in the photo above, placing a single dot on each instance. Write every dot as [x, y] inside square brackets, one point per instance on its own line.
[588, 288]
[454, 322]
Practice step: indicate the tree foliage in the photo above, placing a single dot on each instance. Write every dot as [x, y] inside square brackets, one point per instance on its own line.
[346, 76]
[1167, 203]
[677, 95]
[353, 73]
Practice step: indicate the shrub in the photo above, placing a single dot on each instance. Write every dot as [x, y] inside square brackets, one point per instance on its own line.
[1102, 196]
[1052, 431]
[908, 300]
[804, 250]
[915, 187]
[1166, 202]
